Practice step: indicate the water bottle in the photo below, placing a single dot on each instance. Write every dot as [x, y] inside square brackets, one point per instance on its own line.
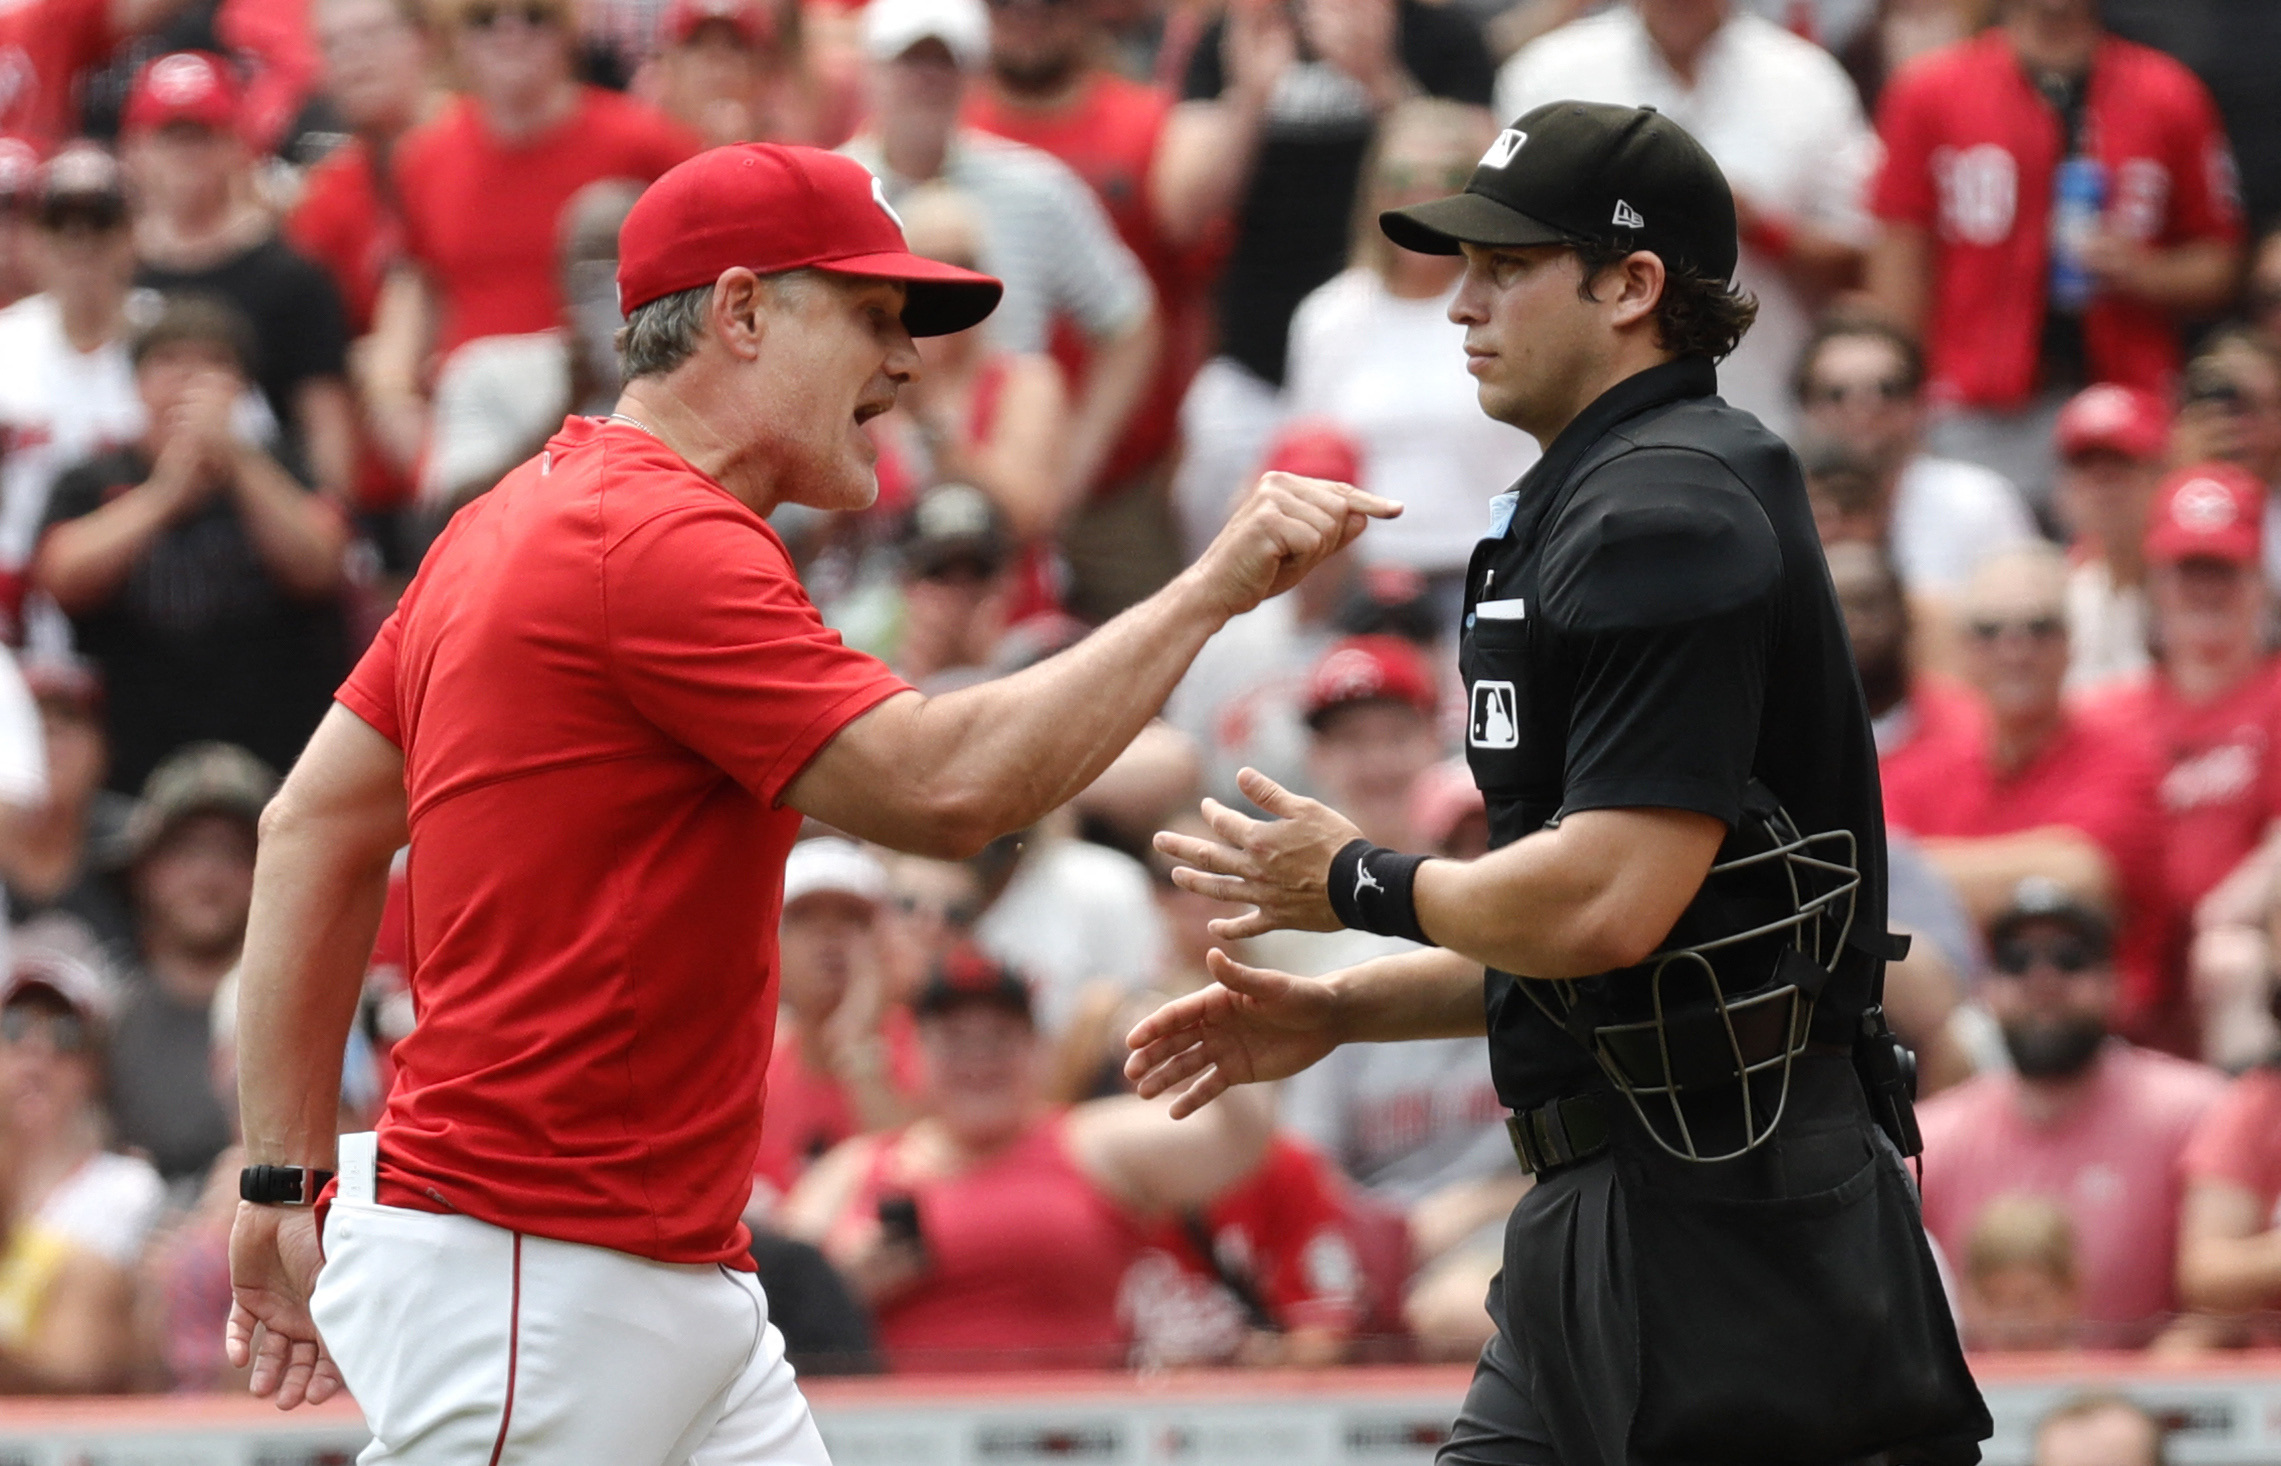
[2078, 203]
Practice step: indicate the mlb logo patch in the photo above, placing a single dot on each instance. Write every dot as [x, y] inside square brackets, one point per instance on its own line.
[1502, 150]
[1494, 722]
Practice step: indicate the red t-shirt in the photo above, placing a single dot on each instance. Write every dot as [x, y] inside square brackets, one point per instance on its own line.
[1940, 723]
[44, 46]
[2239, 1140]
[480, 215]
[2221, 784]
[1284, 1228]
[602, 679]
[2114, 1163]
[1971, 148]
[2091, 777]
[808, 1111]
[1108, 135]
[1025, 1261]
[345, 223]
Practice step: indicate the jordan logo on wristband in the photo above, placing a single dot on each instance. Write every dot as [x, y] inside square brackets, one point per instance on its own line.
[1364, 880]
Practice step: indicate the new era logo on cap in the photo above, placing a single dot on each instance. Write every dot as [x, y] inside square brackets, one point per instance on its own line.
[1501, 151]
[1627, 217]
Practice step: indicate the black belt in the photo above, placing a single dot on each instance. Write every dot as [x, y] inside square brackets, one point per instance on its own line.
[1560, 1133]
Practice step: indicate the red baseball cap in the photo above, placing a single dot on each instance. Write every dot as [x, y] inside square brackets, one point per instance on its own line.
[2212, 511]
[771, 207]
[184, 86]
[750, 19]
[1314, 448]
[2112, 418]
[1369, 669]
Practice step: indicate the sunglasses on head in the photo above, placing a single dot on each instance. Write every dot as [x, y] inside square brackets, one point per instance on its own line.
[2037, 628]
[483, 15]
[2068, 957]
[66, 1033]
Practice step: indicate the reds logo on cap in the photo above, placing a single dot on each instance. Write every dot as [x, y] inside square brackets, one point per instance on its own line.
[2203, 506]
[181, 79]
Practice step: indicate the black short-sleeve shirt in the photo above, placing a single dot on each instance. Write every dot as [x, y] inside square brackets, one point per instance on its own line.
[1653, 627]
[300, 331]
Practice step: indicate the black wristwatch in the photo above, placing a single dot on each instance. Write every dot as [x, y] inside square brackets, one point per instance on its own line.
[282, 1185]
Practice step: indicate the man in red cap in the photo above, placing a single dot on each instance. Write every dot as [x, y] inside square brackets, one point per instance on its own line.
[2212, 707]
[731, 72]
[2112, 442]
[600, 714]
[201, 229]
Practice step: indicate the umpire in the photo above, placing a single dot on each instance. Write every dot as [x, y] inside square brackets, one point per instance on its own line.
[1680, 927]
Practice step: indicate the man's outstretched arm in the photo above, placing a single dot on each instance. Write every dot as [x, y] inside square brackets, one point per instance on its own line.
[319, 882]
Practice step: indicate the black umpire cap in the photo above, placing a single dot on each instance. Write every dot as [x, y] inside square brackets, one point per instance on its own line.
[1586, 173]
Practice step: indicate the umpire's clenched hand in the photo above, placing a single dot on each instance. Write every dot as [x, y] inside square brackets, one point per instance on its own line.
[1283, 528]
[1280, 866]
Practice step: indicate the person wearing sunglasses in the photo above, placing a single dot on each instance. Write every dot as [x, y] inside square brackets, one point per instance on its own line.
[2082, 1117]
[483, 186]
[2033, 787]
[1860, 385]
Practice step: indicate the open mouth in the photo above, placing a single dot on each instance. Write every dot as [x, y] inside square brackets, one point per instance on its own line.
[866, 411]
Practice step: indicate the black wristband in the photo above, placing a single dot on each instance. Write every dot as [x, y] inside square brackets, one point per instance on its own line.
[1372, 890]
[281, 1185]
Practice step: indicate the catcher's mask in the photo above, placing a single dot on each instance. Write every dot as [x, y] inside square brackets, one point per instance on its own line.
[1672, 1033]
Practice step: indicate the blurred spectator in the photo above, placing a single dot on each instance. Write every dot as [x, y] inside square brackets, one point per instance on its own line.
[2085, 1119]
[379, 76]
[66, 1308]
[46, 47]
[1861, 383]
[1370, 714]
[1782, 120]
[482, 187]
[2112, 443]
[2211, 706]
[67, 389]
[2234, 46]
[835, 1071]
[203, 229]
[191, 848]
[2232, 414]
[733, 71]
[19, 176]
[2226, 1252]
[1448, 816]
[2263, 302]
[998, 1232]
[199, 576]
[1065, 913]
[2053, 201]
[2020, 1289]
[1374, 352]
[2099, 1430]
[498, 399]
[1278, 108]
[953, 593]
[53, 1022]
[2038, 789]
[1048, 88]
[979, 413]
[55, 857]
[1898, 32]
[1243, 698]
[1042, 231]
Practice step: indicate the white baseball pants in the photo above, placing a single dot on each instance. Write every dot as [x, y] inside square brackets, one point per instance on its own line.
[469, 1345]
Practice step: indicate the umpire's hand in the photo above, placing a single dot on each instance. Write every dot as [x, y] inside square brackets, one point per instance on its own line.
[1283, 528]
[1280, 867]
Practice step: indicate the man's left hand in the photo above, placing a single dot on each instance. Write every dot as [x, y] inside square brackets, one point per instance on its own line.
[274, 1258]
[1279, 867]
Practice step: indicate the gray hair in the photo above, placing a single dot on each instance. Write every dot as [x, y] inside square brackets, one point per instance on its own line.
[664, 333]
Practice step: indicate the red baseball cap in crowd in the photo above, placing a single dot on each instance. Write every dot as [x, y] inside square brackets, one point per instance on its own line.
[2111, 418]
[2211, 511]
[750, 19]
[772, 207]
[184, 86]
[966, 975]
[1369, 669]
[1314, 448]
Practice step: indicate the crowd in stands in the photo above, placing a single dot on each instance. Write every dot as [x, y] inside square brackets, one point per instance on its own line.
[284, 283]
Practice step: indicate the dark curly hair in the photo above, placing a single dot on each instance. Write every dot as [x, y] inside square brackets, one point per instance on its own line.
[1696, 316]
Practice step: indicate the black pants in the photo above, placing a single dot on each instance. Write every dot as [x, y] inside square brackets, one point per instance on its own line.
[1777, 1310]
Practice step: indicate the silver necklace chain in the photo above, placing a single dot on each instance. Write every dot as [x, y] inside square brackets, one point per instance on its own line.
[632, 422]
